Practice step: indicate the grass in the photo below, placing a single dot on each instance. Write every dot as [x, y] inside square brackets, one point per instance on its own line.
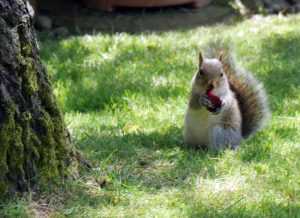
[124, 98]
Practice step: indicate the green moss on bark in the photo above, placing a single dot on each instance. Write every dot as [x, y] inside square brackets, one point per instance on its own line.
[11, 150]
[5, 134]
[29, 78]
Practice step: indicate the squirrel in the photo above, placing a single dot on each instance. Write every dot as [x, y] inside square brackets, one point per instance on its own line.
[227, 104]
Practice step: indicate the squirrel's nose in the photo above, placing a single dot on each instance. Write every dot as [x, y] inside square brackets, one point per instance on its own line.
[210, 86]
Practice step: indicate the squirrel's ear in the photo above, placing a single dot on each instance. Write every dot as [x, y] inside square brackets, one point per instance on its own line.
[200, 58]
[221, 56]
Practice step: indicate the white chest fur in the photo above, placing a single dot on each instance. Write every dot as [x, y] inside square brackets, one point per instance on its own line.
[197, 125]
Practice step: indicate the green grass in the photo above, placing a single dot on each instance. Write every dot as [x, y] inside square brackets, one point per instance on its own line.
[124, 98]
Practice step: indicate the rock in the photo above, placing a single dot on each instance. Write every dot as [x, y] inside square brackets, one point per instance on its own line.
[268, 2]
[61, 32]
[281, 6]
[275, 8]
[43, 22]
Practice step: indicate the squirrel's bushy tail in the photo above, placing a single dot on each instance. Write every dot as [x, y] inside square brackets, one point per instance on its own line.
[249, 92]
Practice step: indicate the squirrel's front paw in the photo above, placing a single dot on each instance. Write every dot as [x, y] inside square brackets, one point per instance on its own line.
[212, 102]
[223, 103]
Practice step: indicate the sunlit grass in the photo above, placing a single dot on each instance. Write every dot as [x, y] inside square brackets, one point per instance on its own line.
[124, 98]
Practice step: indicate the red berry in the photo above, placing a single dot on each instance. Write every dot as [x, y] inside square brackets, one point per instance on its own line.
[214, 99]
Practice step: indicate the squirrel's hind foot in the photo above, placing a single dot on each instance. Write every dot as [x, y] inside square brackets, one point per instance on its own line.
[221, 136]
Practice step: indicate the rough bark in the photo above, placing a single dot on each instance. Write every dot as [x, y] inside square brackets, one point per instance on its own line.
[34, 142]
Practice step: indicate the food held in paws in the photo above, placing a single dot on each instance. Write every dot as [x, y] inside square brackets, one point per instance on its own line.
[212, 102]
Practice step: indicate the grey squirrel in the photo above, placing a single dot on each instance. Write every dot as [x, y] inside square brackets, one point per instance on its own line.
[227, 104]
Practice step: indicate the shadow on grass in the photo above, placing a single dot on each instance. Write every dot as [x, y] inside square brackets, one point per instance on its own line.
[280, 53]
[99, 82]
[153, 160]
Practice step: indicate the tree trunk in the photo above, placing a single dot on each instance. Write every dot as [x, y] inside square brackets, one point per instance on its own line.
[34, 142]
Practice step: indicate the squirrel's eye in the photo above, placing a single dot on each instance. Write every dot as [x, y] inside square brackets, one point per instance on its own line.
[201, 73]
[221, 75]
